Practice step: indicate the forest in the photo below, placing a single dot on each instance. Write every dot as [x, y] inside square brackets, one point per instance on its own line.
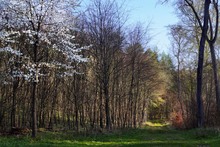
[84, 70]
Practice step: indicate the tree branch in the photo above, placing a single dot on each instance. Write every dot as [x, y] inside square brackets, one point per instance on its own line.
[194, 11]
[217, 20]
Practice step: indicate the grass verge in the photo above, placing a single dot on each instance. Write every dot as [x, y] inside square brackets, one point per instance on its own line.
[151, 135]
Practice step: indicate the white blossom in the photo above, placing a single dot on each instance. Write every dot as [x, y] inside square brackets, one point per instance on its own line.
[10, 50]
[56, 19]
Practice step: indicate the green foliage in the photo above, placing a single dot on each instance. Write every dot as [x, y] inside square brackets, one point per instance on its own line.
[150, 135]
[206, 133]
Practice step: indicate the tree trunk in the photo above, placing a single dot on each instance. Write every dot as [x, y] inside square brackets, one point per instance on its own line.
[200, 115]
[100, 109]
[215, 73]
[13, 111]
[34, 84]
[33, 110]
[107, 108]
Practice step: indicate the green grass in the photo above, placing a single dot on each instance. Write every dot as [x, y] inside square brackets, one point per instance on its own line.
[151, 135]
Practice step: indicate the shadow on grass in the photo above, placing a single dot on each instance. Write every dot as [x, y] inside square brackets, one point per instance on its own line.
[163, 136]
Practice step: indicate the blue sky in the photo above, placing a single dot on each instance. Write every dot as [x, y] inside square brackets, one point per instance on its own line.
[150, 11]
[159, 16]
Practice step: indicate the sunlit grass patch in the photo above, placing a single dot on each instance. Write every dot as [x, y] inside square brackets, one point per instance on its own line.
[156, 124]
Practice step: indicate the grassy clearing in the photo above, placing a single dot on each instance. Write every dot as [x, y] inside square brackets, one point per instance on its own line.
[151, 135]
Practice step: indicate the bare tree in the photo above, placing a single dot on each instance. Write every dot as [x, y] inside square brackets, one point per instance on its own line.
[103, 23]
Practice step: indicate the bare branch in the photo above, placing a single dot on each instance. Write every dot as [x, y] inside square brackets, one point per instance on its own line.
[190, 4]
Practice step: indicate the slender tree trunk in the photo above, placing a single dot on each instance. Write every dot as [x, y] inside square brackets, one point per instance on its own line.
[13, 111]
[76, 114]
[34, 84]
[100, 109]
[107, 108]
[94, 111]
[34, 116]
[200, 113]
[51, 122]
[215, 73]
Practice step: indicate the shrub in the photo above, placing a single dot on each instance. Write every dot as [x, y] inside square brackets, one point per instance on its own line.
[176, 120]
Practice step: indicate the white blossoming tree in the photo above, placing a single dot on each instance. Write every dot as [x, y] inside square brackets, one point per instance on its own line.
[29, 29]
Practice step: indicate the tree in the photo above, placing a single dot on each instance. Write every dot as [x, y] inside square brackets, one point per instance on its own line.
[103, 24]
[213, 35]
[208, 27]
[43, 26]
[179, 45]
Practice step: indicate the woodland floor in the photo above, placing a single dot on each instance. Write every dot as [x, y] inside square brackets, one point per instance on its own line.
[152, 134]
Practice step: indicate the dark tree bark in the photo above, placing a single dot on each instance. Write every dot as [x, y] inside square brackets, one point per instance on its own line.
[35, 78]
[200, 111]
[101, 109]
[215, 73]
[13, 111]
[211, 41]
[33, 110]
